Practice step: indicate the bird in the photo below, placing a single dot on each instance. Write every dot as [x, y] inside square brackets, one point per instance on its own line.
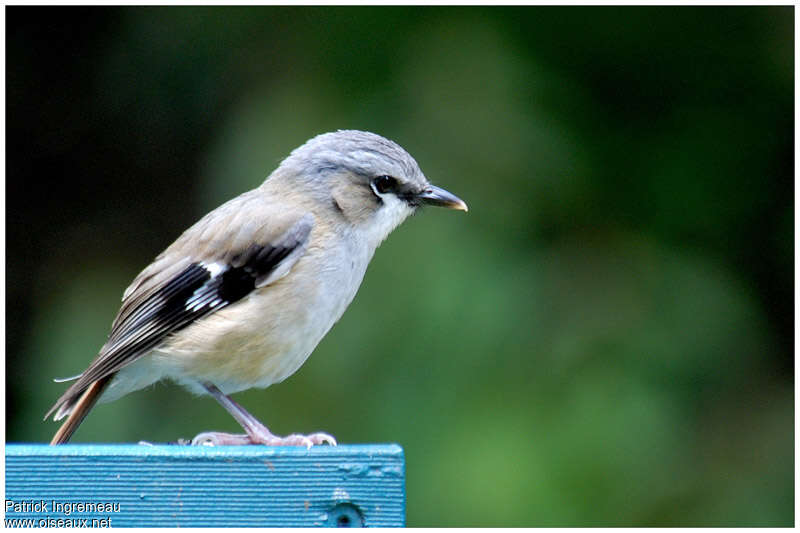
[242, 298]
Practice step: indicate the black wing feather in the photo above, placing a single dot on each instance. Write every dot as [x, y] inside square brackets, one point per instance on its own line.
[200, 289]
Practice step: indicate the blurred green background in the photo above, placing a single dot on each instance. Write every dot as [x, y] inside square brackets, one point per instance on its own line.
[606, 338]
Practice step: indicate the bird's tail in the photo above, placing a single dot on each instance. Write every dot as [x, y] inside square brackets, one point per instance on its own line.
[76, 408]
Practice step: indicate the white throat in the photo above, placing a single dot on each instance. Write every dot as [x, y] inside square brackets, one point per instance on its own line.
[386, 218]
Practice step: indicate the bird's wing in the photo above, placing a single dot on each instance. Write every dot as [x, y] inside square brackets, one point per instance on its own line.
[229, 253]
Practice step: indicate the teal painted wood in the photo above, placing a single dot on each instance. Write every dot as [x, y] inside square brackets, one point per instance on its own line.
[203, 486]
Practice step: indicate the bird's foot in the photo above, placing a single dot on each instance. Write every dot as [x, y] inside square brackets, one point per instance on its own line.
[257, 433]
[266, 438]
[302, 440]
[215, 438]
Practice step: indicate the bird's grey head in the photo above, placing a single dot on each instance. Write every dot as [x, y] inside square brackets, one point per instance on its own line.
[363, 179]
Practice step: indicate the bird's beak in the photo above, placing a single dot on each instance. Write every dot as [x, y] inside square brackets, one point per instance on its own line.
[437, 196]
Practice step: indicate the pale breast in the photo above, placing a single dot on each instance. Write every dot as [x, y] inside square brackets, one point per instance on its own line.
[268, 335]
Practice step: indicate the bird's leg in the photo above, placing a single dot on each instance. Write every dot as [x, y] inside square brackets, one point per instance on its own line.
[256, 432]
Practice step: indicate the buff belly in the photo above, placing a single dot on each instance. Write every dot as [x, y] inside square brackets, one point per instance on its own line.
[256, 342]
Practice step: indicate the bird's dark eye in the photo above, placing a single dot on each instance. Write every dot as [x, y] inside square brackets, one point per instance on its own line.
[384, 184]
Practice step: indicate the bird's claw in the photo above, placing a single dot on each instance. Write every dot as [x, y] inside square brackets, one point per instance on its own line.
[213, 438]
[306, 440]
[322, 438]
